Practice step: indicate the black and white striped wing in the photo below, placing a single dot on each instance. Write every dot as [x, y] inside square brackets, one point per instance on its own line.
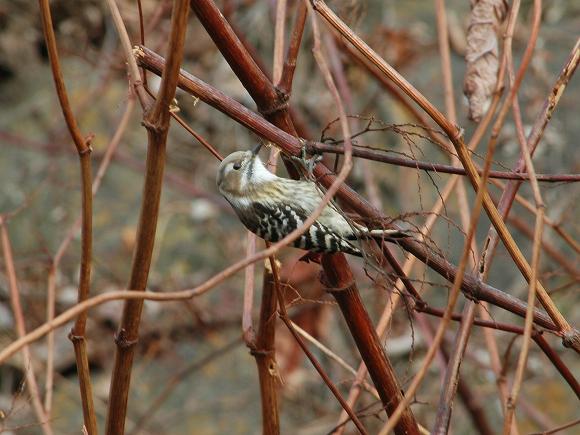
[273, 223]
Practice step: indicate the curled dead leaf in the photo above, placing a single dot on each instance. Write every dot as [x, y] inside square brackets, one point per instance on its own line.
[482, 55]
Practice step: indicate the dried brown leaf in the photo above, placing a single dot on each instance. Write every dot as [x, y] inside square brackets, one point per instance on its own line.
[482, 54]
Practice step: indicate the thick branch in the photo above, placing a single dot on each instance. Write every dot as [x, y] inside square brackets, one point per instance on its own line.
[343, 287]
[264, 353]
[157, 123]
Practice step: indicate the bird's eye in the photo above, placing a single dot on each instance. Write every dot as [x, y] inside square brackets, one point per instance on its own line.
[237, 165]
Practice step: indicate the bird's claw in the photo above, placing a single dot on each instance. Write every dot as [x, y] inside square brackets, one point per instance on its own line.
[307, 163]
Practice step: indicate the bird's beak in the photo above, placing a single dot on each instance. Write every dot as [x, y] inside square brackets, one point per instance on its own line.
[256, 149]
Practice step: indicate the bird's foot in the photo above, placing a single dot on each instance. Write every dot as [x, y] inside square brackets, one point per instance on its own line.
[305, 162]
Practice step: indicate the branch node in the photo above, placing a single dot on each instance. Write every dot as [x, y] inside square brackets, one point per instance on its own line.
[457, 137]
[88, 149]
[151, 126]
[571, 339]
[346, 287]
[420, 304]
[281, 104]
[471, 296]
[262, 352]
[74, 338]
[122, 341]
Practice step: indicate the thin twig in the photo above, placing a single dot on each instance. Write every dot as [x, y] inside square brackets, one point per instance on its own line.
[279, 34]
[455, 135]
[559, 428]
[177, 379]
[538, 128]
[84, 151]
[293, 48]
[476, 138]
[557, 226]
[339, 276]
[383, 157]
[27, 366]
[505, 202]
[284, 317]
[65, 243]
[451, 379]
[393, 302]
[533, 139]
[560, 258]
[207, 285]
[471, 401]
[332, 355]
[453, 295]
[537, 244]
[522, 360]
[248, 332]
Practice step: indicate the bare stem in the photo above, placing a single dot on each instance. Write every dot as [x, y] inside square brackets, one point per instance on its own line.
[156, 120]
[264, 352]
[284, 317]
[20, 327]
[84, 151]
[382, 156]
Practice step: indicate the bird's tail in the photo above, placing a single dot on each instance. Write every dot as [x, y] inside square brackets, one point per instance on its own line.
[381, 235]
[388, 234]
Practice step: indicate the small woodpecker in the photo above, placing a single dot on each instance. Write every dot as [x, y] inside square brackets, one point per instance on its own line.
[272, 207]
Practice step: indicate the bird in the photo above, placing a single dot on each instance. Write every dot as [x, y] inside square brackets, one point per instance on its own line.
[272, 207]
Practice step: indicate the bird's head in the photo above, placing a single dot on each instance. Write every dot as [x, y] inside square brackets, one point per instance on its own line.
[240, 171]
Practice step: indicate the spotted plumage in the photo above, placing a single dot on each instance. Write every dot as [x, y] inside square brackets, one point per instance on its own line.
[272, 207]
[273, 222]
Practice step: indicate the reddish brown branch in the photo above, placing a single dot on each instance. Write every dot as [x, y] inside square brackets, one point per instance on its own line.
[238, 57]
[558, 363]
[293, 49]
[343, 288]
[500, 326]
[381, 156]
[84, 151]
[270, 102]
[284, 317]
[264, 352]
[156, 120]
